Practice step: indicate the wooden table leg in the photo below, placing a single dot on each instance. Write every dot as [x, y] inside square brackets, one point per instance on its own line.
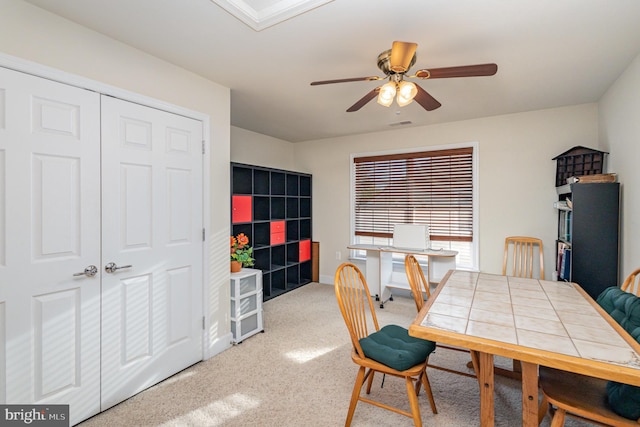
[529, 394]
[485, 379]
[474, 363]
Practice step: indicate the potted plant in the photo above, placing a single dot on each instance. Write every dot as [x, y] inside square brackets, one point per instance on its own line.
[240, 252]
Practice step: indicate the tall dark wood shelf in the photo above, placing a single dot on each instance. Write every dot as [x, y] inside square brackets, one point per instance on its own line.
[588, 227]
[273, 208]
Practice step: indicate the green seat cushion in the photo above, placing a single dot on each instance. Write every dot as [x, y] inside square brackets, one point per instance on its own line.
[624, 307]
[624, 399]
[393, 346]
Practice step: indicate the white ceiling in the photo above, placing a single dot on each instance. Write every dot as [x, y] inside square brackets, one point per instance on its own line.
[549, 53]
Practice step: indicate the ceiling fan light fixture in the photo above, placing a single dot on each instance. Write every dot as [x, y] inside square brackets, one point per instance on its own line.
[394, 63]
[406, 92]
[402, 102]
[387, 93]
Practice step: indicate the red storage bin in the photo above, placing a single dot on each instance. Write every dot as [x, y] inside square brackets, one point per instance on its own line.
[277, 232]
[305, 250]
[240, 209]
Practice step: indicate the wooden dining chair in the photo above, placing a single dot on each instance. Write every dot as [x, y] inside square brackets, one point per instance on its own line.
[519, 256]
[420, 290]
[389, 350]
[577, 395]
[417, 281]
[632, 285]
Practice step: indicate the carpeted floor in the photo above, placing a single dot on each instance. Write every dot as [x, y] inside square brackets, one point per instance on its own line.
[299, 373]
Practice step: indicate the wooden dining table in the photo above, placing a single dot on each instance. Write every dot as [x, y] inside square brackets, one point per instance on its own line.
[538, 322]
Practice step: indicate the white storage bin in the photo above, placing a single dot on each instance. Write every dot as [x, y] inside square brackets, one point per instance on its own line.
[246, 304]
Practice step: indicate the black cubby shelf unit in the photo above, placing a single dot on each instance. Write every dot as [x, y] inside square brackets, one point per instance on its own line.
[587, 244]
[273, 208]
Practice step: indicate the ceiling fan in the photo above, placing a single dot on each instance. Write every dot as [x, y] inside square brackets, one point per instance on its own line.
[395, 63]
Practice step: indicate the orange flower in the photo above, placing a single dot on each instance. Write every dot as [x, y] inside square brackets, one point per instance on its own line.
[233, 242]
[242, 240]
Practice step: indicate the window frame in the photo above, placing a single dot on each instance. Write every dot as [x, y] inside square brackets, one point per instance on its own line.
[474, 244]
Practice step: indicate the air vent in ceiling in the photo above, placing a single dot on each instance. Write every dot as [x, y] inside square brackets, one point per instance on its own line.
[402, 123]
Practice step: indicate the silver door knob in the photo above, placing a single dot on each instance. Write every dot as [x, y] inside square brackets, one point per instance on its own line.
[90, 271]
[112, 267]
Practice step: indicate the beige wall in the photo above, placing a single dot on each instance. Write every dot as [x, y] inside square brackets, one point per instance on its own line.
[30, 33]
[256, 149]
[516, 176]
[619, 113]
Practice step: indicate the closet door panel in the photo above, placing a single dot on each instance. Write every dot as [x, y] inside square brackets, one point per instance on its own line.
[152, 222]
[49, 231]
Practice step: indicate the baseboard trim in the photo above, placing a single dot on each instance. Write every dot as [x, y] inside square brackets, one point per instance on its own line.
[326, 280]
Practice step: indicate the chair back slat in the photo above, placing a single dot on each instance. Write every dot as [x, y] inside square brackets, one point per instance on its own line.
[417, 280]
[354, 301]
[521, 251]
[632, 285]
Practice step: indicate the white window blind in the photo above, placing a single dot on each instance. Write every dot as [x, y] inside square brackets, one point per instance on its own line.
[429, 187]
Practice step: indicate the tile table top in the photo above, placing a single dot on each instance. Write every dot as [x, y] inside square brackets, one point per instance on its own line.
[544, 315]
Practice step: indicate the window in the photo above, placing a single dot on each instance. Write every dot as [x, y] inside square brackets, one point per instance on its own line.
[434, 187]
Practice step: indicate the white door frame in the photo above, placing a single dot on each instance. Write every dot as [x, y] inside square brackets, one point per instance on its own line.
[35, 69]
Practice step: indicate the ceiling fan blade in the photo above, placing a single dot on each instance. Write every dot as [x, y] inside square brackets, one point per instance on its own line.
[353, 79]
[361, 103]
[401, 55]
[427, 101]
[462, 71]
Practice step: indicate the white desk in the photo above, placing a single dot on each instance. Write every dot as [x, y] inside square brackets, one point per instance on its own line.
[379, 267]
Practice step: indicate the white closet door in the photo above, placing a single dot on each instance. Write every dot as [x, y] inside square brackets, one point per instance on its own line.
[152, 222]
[49, 230]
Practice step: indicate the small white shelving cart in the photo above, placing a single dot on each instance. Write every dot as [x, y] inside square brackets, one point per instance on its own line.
[246, 304]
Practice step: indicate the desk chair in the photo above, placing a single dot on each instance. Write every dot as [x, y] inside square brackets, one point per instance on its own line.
[390, 350]
[419, 284]
[559, 394]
